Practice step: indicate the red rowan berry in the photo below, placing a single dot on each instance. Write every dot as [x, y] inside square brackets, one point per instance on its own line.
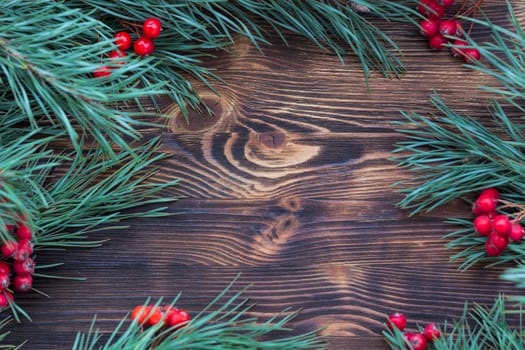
[397, 320]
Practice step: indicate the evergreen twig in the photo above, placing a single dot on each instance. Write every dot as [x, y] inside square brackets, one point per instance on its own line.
[451, 154]
[51, 48]
[478, 328]
[223, 324]
[92, 194]
[49, 51]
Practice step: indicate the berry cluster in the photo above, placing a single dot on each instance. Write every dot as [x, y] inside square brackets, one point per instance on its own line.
[151, 315]
[417, 341]
[441, 32]
[19, 264]
[498, 228]
[143, 46]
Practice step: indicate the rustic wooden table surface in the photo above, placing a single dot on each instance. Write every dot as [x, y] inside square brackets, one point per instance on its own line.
[290, 184]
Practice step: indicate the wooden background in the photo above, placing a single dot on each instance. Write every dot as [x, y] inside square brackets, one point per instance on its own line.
[290, 183]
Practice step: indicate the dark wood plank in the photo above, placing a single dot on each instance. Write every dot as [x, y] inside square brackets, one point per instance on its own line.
[344, 298]
[288, 183]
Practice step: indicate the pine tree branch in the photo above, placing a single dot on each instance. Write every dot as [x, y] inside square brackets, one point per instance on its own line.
[20, 158]
[471, 247]
[505, 57]
[452, 155]
[49, 52]
[93, 194]
[223, 324]
[479, 328]
[193, 29]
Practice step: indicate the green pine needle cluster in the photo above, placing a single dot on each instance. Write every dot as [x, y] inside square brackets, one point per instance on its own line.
[452, 155]
[224, 324]
[49, 50]
[469, 247]
[456, 156]
[479, 328]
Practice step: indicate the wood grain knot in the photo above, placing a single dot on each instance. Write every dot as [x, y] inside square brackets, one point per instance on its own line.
[272, 139]
[200, 120]
[276, 235]
[276, 149]
[291, 204]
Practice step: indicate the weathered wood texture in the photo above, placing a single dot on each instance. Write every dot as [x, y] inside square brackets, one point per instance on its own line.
[289, 183]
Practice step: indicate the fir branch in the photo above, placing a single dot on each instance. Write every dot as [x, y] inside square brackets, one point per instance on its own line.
[223, 324]
[505, 57]
[471, 247]
[193, 29]
[94, 193]
[452, 155]
[478, 328]
[49, 51]
[20, 158]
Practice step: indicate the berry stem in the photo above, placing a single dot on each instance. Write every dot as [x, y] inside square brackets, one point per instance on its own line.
[517, 216]
[129, 25]
[469, 10]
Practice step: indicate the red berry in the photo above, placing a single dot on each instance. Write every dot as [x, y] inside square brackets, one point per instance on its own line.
[26, 267]
[155, 316]
[421, 7]
[24, 232]
[5, 299]
[483, 225]
[429, 27]
[491, 192]
[23, 283]
[431, 332]
[459, 51]
[501, 224]
[144, 46]
[446, 3]
[103, 71]
[486, 204]
[5, 269]
[417, 341]
[24, 251]
[432, 10]
[151, 28]
[117, 54]
[397, 320]
[498, 240]
[516, 232]
[437, 42]
[122, 40]
[491, 249]
[9, 249]
[4, 281]
[448, 27]
[178, 317]
[472, 55]
[140, 313]
[114, 56]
